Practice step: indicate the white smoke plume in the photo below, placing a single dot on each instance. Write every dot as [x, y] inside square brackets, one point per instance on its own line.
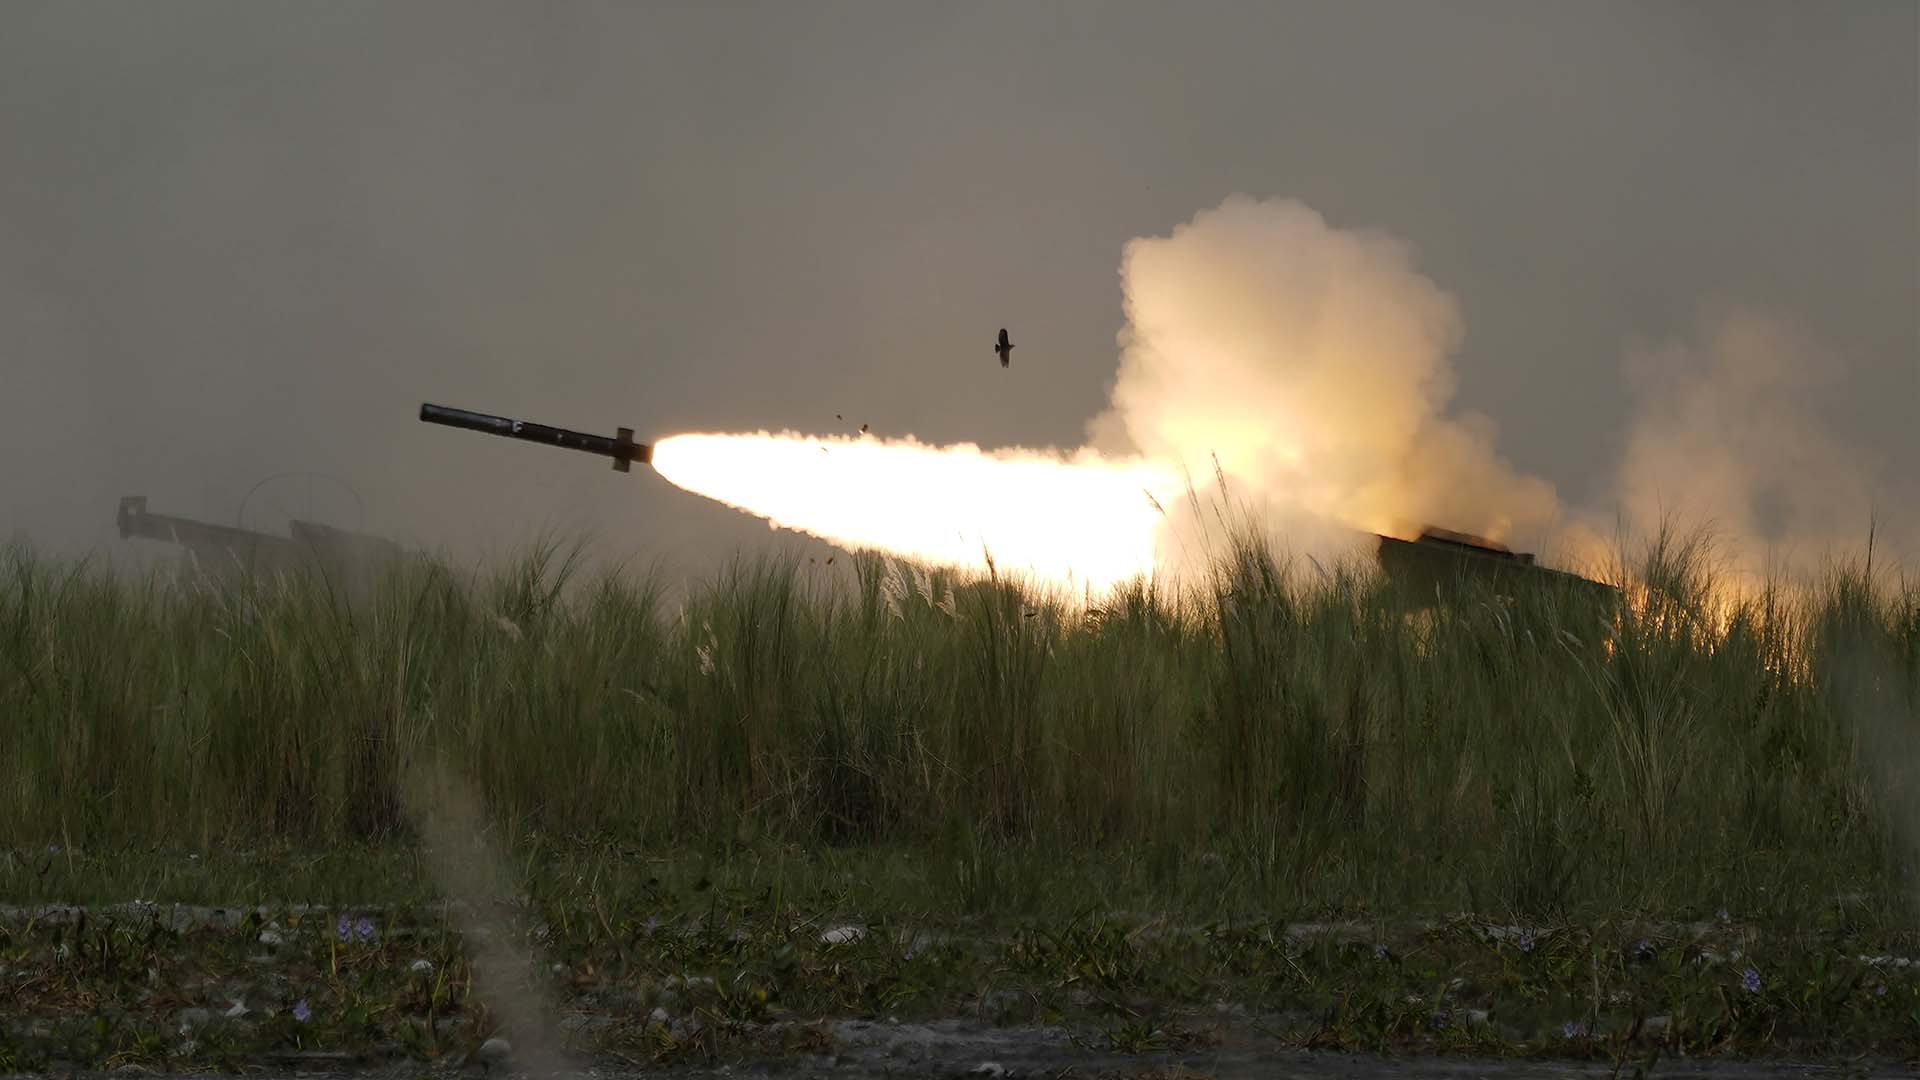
[1723, 435]
[1313, 363]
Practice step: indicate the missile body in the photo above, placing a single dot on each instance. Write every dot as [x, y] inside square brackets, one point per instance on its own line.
[621, 448]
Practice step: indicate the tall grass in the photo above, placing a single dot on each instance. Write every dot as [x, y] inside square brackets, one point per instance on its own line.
[1316, 735]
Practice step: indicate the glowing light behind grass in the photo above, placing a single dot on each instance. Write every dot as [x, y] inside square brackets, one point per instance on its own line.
[1070, 522]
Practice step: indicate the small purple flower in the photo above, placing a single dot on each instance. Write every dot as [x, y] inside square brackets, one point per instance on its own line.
[1439, 1019]
[343, 929]
[653, 923]
[301, 1012]
[1526, 942]
[364, 928]
[1643, 949]
[1750, 980]
[1572, 1029]
[1880, 991]
[1380, 953]
[1723, 914]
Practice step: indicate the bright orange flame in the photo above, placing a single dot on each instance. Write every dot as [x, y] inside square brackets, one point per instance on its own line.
[1075, 522]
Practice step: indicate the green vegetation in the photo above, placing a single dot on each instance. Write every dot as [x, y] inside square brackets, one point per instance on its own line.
[1291, 740]
[793, 744]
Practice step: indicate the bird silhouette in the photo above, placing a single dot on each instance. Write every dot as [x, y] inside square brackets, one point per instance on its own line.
[1004, 348]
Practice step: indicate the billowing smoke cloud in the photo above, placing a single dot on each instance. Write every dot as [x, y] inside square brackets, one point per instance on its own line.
[1723, 434]
[1312, 363]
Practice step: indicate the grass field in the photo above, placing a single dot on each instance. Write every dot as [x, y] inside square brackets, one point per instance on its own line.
[791, 743]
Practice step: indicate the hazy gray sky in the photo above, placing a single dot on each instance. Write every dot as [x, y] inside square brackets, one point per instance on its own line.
[238, 239]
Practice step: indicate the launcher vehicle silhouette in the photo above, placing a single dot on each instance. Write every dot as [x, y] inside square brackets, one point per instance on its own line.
[1441, 559]
[224, 549]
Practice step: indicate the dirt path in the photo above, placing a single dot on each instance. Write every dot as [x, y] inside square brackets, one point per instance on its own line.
[1028, 1065]
[966, 1050]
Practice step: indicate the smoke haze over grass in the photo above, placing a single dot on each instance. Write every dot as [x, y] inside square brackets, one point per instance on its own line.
[1725, 430]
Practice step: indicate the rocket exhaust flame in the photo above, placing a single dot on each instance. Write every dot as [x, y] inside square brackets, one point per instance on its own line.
[1075, 522]
[1079, 521]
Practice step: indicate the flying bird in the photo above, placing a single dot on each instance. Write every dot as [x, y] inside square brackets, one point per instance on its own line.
[1004, 348]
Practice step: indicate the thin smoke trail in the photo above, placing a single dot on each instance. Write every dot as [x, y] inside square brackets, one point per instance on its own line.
[472, 876]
